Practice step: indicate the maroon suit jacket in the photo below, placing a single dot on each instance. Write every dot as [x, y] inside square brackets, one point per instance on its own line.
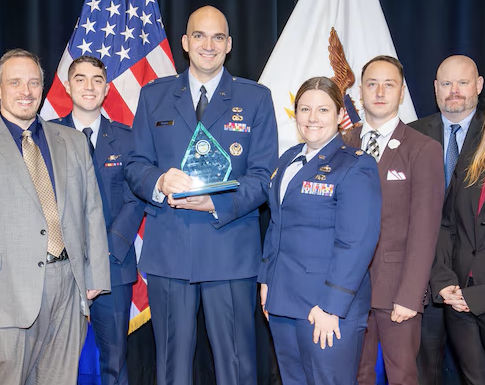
[411, 215]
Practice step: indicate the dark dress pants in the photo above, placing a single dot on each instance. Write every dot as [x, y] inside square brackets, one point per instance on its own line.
[466, 332]
[435, 360]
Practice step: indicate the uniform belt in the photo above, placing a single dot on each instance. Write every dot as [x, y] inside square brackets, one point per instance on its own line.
[62, 257]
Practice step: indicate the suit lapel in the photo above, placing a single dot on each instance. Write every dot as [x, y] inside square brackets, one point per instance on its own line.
[58, 152]
[104, 142]
[184, 105]
[388, 154]
[220, 101]
[279, 175]
[310, 169]
[13, 158]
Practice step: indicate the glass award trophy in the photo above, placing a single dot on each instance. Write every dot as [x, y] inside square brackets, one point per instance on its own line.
[208, 164]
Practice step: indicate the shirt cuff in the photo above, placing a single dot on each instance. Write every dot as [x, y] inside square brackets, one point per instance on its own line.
[158, 196]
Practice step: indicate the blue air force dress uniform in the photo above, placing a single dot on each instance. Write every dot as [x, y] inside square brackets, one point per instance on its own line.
[123, 213]
[317, 251]
[193, 251]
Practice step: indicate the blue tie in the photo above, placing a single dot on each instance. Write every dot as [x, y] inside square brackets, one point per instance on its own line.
[452, 154]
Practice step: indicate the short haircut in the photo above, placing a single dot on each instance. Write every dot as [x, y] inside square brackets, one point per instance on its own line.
[86, 59]
[389, 59]
[324, 84]
[19, 52]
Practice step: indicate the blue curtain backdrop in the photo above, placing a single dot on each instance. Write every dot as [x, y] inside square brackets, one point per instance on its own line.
[424, 33]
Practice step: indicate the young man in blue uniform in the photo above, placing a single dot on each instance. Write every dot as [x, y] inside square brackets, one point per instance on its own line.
[204, 247]
[110, 143]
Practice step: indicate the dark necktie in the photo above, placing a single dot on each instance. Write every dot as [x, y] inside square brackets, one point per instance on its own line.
[452, 154]
[202, 105]
[301, 158]
[88, 132]
[373, 146]
[42, 182]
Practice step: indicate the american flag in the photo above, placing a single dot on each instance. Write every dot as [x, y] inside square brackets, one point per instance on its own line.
[129, 37]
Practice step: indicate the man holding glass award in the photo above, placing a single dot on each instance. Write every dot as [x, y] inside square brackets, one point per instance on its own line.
[205, 147]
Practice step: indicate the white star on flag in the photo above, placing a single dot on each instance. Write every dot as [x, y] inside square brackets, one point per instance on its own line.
[104, 51]
[109, 29]
[85, 47]
[94, 5]
[123, 53]
[132, 11]
[149, 1]
[89, 26]
[146, 18]
[128, 33]
[113, 9]
[144, 37]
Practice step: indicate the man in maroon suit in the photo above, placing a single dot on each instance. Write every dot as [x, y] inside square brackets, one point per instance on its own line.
[412, 182]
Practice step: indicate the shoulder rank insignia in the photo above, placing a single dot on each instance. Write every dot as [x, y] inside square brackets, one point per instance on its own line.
[359, 152]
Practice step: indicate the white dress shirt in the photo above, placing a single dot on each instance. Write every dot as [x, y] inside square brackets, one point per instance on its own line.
[93, 126]
[460, 134]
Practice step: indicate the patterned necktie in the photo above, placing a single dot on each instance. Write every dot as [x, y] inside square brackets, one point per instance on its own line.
[40, 177]
[202, 105]
[301, 158]
[373, 146]
[452, 154]
[88, 132]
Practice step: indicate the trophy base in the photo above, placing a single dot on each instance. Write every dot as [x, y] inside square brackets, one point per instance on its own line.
[209, 188]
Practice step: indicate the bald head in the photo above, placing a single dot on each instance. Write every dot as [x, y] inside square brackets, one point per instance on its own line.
[207, 42]
[457, 87]
[206, 12]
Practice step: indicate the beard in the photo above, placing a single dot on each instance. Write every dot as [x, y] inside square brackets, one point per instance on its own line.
[458, 104]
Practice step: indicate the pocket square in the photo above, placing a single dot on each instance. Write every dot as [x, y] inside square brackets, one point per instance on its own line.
[395, 175]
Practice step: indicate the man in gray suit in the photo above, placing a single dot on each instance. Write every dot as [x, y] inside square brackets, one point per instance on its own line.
[53, 244]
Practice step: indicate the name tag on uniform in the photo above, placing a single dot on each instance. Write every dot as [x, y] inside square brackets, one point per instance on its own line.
[314, 188]
[237, 127]
[164, 123]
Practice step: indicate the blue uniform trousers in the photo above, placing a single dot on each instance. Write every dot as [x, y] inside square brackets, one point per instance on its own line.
[110, 317]
[229, 314]
[303, 362]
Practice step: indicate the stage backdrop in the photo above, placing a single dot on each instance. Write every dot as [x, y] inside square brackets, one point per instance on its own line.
[424, 33]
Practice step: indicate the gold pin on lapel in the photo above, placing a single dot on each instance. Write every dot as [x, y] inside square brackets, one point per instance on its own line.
[105, 135]
[236, 149]
[237, 117]
[343, 147]
[359, 152]
[237, 109]
[114, 157]
[326, 168]
[222, 93]
[183, 89]
[320, 177]
[322, 157]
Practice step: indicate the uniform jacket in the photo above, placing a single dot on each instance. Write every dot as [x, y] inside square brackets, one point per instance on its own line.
[319, 245]
[411, 214]
[23, 239]
[123, 212]
[188, 244]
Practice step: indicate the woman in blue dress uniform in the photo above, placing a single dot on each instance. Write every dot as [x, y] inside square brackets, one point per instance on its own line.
[325, 202]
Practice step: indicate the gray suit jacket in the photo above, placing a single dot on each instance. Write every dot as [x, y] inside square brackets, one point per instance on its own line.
[23, 244]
